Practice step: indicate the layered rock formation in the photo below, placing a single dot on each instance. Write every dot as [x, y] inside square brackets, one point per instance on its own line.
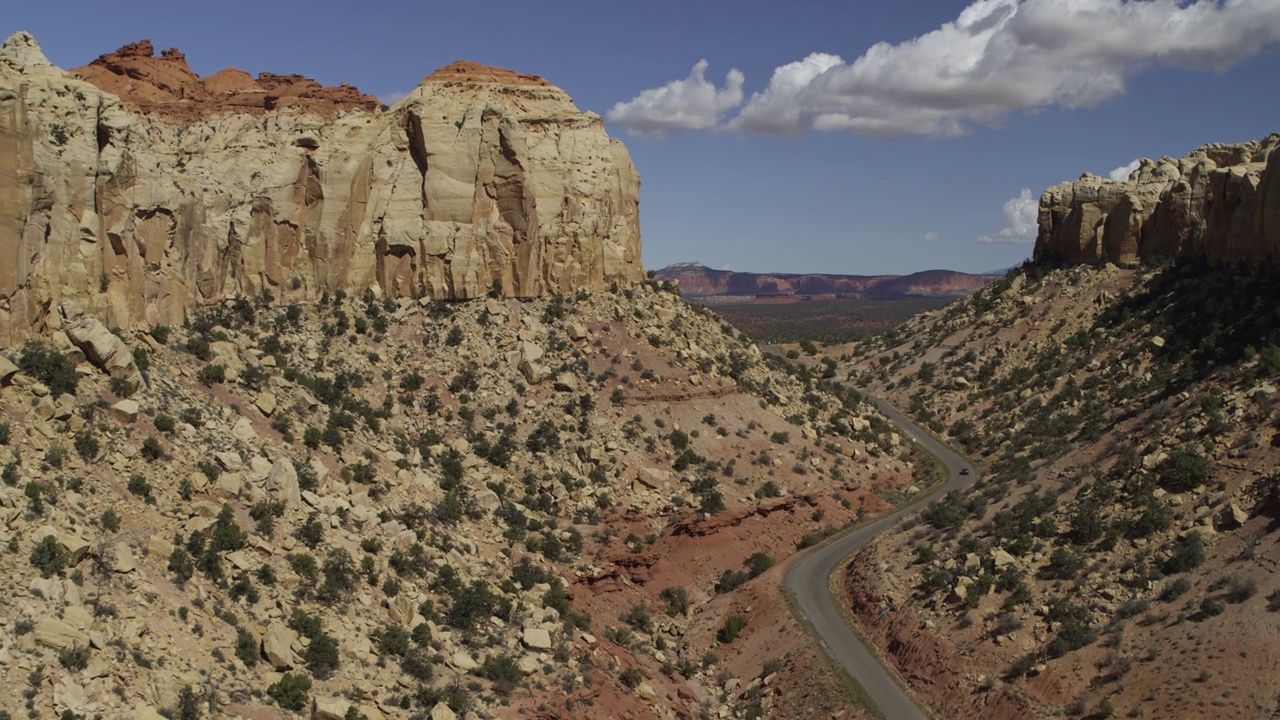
[1219, 202]
[696, 279]
[197, 190]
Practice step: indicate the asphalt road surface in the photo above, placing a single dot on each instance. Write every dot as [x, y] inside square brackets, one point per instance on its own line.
[807, 580]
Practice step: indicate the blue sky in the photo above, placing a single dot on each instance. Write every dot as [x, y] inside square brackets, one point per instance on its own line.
[959, 108]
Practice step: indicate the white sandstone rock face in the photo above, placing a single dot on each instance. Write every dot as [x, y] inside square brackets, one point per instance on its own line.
[1219, 202]
[480, 179]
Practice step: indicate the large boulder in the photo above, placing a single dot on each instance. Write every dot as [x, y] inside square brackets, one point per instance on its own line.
[100, 346]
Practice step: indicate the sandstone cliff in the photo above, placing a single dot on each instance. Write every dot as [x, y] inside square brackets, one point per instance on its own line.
[1219, 202]
[194, 190]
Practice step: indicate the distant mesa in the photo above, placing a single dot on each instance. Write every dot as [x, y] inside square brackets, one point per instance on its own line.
[698, 280]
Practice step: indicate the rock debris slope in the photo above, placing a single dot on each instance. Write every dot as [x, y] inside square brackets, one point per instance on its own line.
[182, 191]
[1219, 202]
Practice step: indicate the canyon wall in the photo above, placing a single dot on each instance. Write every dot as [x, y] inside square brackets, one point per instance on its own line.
[139, 190]
[1219, 202]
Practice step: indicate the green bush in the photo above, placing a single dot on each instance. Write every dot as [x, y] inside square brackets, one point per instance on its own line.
[1188, 553]
[49, 366]
[502, 671]
[733, 625]
[677, 599]
[212, 374]
[74, 658]
[87, 445]
[189, 702]
[291, 692]
[321, 656]
[246, 647]
[152, 450]
[769, 489]
[49, 557]
[1183, 471]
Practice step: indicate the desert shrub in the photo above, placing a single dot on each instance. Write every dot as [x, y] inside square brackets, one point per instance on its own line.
[291, 692]
[1188, 553]
[340, 577]
[165, 423]
[1210, 607]
[416, 663]
[74, 658]
[212, 374]
[391, 640]
[733, 625]
[189, 702]
[769, 489]
[677, 599]
[110, 520]
[502, 671]
[311, 532]
[56, 456]
[49, 557]
[1064, 564]
[86, 445]
[1182, 471]
[758, 563]
[631, 678]
[49, 366]
[1075, 631]
[182, 565]
[321, 656]
[152, 450]
[246, 647]
[638, 618]
[5, 433]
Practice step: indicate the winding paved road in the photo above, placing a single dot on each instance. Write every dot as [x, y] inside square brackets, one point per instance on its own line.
[808, 577]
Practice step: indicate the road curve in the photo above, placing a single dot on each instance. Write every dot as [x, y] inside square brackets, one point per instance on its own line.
[808, 577]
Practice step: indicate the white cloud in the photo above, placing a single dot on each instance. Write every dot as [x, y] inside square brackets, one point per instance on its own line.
[392, 98]
[689, 104]
[777, 110]
[1122, 173]
[997, 57]
[931, 236]
[1020, 215]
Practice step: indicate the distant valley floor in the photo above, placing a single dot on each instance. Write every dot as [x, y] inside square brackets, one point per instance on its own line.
[826, 319]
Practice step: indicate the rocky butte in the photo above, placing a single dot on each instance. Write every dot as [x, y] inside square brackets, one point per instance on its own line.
[138, 189]
[1219, 202]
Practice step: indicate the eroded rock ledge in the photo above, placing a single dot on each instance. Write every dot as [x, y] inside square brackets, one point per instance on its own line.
[1219, 202]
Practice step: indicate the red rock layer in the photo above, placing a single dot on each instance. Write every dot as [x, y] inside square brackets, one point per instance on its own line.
[165, 85]
[468, 71]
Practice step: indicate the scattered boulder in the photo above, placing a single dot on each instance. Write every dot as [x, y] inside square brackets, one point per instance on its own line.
[54, 633]
[536, 638]
[126, 411]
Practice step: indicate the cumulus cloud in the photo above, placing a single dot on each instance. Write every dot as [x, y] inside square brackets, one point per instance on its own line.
[693, 103]
[1122, 173]
[997, 57]
[1019, 220]
[931, 236]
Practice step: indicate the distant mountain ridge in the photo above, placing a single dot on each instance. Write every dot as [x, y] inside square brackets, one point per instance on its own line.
[696, 279]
